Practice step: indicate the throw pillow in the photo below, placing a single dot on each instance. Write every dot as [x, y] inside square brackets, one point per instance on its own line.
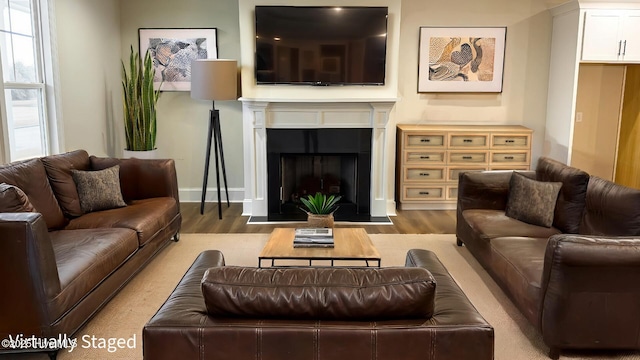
[13, 199]
[532, 201]
[99, 190]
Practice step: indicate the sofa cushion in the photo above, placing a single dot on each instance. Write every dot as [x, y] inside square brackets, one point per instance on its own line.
[571, 200]
[99, 190]
[58, 169]
[133, 171]
[519, 262]
[611, 209]
[319, 293]
[85, 258]
[532, 201]
[31, 177]
[490, 224]
[147, 217]
[12, 199]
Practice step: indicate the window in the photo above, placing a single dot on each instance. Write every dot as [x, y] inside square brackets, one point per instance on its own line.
[26, 121]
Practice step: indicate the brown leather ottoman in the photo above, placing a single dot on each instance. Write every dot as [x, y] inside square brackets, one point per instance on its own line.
[183, 329]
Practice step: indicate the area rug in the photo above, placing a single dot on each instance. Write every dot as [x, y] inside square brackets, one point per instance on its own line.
[125, 316]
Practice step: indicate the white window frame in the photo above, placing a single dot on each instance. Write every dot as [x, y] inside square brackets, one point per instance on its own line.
[44, 34]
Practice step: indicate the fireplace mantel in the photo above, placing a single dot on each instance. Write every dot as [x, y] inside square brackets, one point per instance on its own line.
[321, 100]
[374, 113]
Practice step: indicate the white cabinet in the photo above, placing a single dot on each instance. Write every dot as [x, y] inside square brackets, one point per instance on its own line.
[611, 36]
[631, 34]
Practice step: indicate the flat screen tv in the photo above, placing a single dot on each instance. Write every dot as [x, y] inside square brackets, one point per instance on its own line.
[320, 45]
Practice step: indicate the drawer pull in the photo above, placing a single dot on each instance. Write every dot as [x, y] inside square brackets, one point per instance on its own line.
[509, 141]
[425, 157]
[467, 157]
[425, 140]
[508, 157]
[424, 174]
[467, 140]
[424, 193]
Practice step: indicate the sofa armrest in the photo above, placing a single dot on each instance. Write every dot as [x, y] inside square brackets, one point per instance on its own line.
[143, 178]
[591, 291]
[29, 275]
[485, 189]
[453, 311]
[170, 332]
[450, 299]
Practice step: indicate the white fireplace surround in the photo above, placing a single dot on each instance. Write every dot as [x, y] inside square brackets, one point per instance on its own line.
[261, 114]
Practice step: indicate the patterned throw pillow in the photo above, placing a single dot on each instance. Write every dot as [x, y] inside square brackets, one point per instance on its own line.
[13, 199]
[532, 201]
[99, 190]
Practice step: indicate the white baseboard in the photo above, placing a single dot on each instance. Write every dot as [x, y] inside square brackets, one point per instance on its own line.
[391, 208]
[428, 206]
[236, 195]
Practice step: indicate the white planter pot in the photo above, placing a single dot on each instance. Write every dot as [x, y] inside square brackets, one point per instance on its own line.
[145, 154]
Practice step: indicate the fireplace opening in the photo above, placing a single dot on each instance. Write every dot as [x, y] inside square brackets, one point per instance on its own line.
[304, 175]
[302, 162]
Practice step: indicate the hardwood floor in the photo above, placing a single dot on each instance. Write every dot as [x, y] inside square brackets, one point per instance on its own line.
[407, 221]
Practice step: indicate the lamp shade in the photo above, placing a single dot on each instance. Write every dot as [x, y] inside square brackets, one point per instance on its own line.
[214, 79]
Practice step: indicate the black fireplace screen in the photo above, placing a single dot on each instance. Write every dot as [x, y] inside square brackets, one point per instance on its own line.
[302, 162]
[304, 175]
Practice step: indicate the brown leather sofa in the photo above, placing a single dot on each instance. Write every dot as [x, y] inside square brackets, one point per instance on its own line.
[316, 321]
[59, 267]
[577, 282]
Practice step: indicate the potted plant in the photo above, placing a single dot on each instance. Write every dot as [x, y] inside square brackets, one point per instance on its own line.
[139, 104]
[320, 209]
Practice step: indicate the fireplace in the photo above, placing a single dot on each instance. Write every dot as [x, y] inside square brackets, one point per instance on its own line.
[331, 161]
[374, 153]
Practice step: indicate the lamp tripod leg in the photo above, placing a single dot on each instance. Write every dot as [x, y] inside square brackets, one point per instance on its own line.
[224, 171]
[216, 137]
[206, 162]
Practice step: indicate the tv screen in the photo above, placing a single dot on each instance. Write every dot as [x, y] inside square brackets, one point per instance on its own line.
[316, 45]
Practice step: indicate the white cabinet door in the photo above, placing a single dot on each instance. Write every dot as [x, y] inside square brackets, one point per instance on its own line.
[602, 35]
[631, 36]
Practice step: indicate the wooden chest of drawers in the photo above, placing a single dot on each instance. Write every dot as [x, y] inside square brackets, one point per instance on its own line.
[430, 158]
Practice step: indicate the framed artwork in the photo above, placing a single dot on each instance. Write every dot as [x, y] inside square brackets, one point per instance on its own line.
[465, 59]
[172, 51]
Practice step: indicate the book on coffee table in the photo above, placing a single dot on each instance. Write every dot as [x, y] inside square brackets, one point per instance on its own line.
[313, 237]
[313, 245]
[314, 232]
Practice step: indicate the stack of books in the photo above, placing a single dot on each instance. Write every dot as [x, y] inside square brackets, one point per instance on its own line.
[313, 237]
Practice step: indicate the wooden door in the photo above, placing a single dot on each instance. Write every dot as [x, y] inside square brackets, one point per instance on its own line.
[628, 165]
[597, 119]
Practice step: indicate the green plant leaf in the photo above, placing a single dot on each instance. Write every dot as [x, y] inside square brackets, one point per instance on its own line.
[320, 203]
[139, 102]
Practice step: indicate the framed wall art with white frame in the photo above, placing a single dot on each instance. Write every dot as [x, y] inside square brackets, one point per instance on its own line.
[461, 59]
[173, 50]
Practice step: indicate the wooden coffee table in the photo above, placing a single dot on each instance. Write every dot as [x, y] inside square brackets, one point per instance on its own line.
[350, 244]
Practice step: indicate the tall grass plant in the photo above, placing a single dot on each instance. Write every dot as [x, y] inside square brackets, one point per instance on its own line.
[139, 102]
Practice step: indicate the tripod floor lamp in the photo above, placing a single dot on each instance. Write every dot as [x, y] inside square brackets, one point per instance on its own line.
[214, 79]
